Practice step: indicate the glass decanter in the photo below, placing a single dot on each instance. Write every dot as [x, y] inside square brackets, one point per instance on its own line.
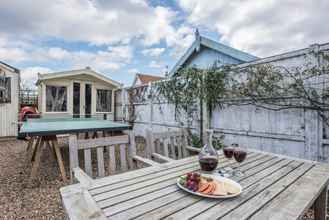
[208, 156]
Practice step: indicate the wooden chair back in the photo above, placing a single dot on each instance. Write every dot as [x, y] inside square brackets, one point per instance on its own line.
[103, 150]
[170, 144]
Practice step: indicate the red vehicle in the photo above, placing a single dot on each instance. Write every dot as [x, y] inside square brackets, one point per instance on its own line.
[28, 112]
[25, 113]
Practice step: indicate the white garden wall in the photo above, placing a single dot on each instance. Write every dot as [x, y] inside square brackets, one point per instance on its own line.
[294, 132]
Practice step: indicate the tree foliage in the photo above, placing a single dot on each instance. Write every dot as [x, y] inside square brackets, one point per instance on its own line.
[264, 85]
[190, 85]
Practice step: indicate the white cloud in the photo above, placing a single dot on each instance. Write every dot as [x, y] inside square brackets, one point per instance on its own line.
[262, 27]
[12, 54]
[58, 53]
[133, 70]
[154, 52]
[29, 75]
[180, 40]
[154, 64]
[96, 22]
[103, 60]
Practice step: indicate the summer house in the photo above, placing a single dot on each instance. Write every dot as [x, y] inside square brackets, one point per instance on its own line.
[82, 92]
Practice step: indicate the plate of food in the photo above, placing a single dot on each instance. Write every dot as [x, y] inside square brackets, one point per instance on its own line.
[210, 186]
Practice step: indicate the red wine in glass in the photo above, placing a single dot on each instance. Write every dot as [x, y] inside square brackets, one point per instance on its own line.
[228, 152]
[240, 155]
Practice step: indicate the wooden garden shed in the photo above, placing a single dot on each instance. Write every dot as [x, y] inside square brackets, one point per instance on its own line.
[9, 104]
[77, 93]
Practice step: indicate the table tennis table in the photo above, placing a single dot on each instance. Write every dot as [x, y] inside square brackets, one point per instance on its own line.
[44, 131]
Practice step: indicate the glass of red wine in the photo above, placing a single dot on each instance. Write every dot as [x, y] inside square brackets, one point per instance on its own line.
[239, 155]
[228, 152]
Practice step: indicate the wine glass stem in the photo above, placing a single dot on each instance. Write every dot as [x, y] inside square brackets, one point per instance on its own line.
[237, 172]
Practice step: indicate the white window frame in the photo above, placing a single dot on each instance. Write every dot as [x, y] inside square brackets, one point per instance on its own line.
[9, 90]
[100, 88]
[67, 98]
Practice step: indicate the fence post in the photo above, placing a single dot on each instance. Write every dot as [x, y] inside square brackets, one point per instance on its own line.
[150, 149]
[312, 135]
[123, 105]
[150, 97]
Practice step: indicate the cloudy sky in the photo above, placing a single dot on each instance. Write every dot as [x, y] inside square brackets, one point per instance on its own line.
[120, 38]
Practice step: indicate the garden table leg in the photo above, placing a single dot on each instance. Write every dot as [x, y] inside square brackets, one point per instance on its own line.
[30, 144]
[320, 205]
[34, 148]
[36, 159]
[59, 158]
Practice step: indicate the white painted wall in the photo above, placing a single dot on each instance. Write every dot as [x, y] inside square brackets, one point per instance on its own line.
[293, 132]
[9, 111]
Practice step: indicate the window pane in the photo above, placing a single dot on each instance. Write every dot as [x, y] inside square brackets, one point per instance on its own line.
[104, 100]
[5, 90]
[56, 99]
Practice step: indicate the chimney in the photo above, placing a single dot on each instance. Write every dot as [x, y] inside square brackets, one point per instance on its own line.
[315, 48]
[196, 34]
[197, 39]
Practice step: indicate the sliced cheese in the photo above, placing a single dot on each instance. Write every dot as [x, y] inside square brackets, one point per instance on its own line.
[230, 188]
[220, 189]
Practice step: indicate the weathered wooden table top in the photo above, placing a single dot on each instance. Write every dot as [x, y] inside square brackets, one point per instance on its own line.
[274, 187]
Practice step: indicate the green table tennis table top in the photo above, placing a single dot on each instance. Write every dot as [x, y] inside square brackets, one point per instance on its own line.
[56, 126]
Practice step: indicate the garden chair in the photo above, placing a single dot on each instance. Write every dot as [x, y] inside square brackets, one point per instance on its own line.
[120, 152]
[168, 146]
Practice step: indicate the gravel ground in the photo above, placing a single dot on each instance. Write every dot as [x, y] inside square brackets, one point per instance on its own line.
[19, 197]
[22, 199]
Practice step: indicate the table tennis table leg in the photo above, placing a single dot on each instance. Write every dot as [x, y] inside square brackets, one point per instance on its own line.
[30, 144]
[59, 158]
[34, 148]
[36, 159]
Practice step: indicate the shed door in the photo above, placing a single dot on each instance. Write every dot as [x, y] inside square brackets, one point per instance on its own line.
[87, 100]
[76, 100]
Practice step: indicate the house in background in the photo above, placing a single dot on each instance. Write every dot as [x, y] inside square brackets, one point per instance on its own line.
[144, 79]
[9, 102]
[78, 92]
[204, 52]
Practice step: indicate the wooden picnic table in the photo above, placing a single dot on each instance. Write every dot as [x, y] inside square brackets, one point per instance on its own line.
[274, 187]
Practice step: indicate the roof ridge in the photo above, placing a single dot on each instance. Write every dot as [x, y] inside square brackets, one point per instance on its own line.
[68, 72]
[214, 45]
[11, 67]
[229, 47]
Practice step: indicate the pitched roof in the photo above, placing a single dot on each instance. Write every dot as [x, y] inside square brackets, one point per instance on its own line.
[87, 71]
[145, 79]
[206, 42]
[10, 67]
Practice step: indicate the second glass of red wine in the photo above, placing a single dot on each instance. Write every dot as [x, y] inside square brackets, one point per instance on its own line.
[239, 155]
[228, 153]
